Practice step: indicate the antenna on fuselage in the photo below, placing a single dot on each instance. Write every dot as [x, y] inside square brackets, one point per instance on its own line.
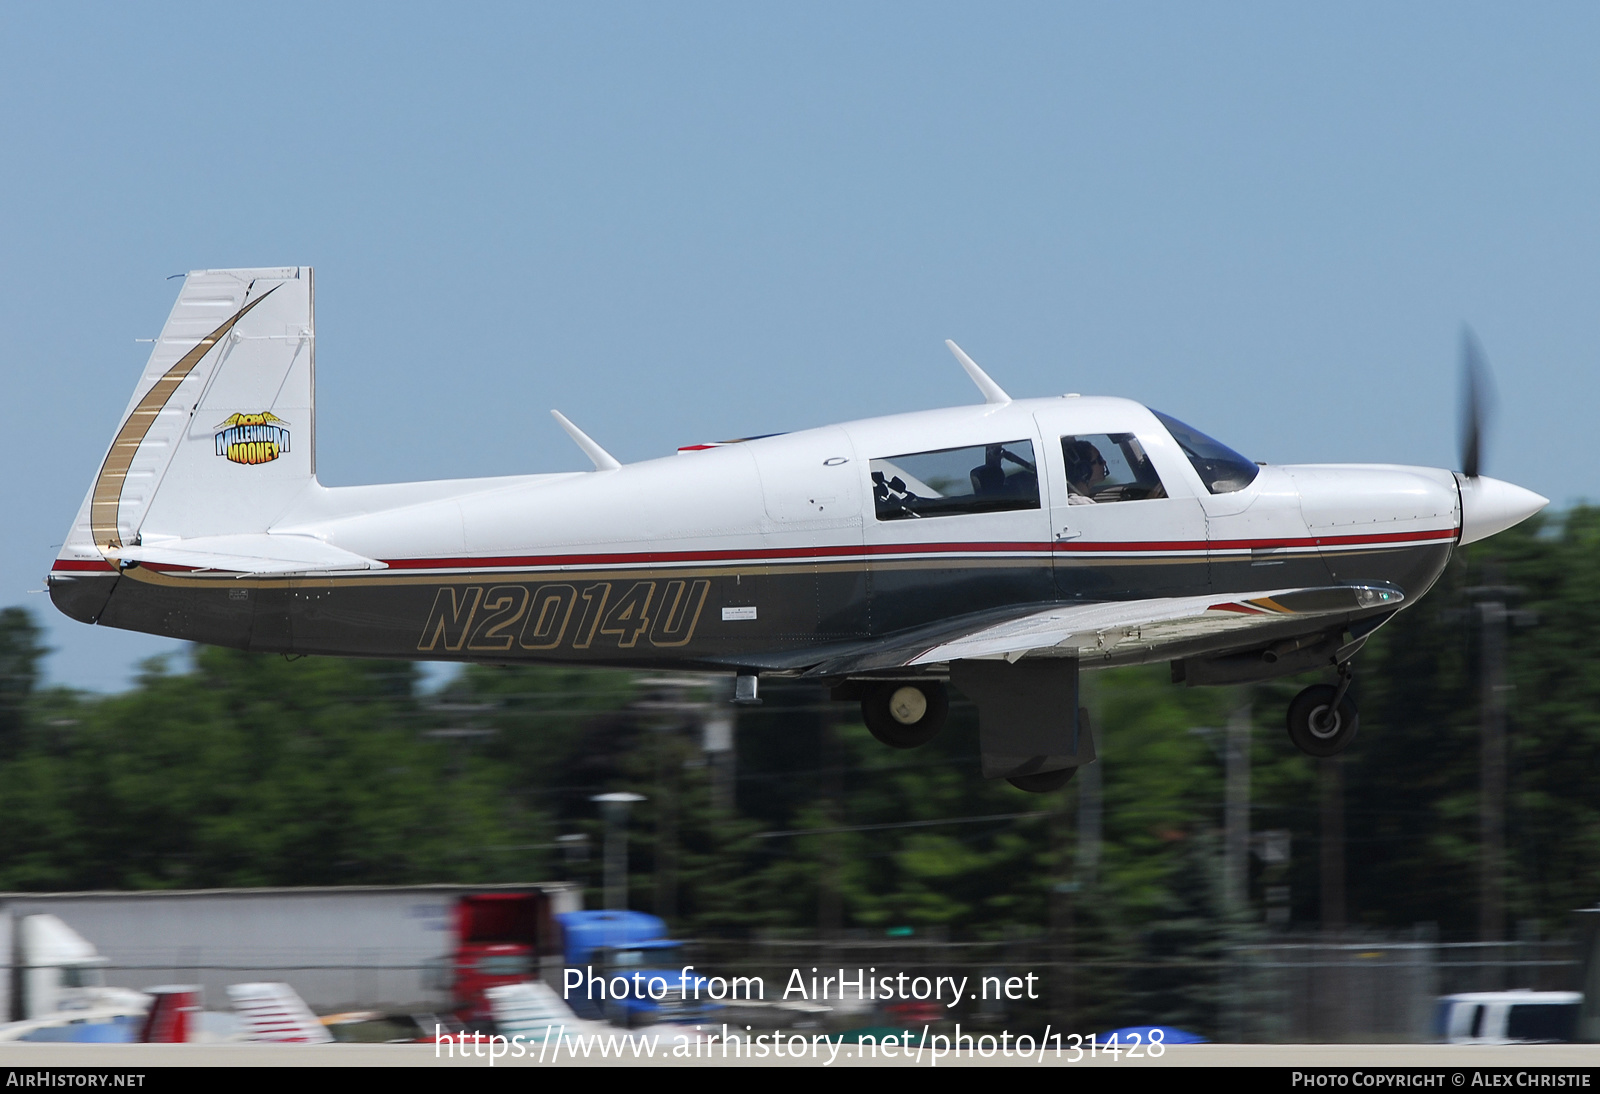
[992, 392]
[603, 460]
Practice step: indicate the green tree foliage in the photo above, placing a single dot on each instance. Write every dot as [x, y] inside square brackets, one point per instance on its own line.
[20, 653]
[248, 770]
[1412, 777]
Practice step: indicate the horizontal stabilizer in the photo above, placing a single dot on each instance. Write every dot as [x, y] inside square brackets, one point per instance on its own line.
[252, 553]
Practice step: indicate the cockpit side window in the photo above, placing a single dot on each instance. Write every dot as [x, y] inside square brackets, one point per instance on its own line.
[1221, 468]
[1105, 467]
[985, 478]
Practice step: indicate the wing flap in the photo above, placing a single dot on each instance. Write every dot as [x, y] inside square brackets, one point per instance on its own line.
[1108, 628]
[1076, 630]
[254, 553]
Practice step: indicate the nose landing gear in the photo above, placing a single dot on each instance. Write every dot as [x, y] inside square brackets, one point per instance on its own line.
[1323, 718]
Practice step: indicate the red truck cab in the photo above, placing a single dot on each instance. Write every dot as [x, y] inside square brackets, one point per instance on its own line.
[499, 940]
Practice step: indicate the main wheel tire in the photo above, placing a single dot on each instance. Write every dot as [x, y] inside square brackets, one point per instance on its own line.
[905, 714]
[1316, 728]
[1044, 781]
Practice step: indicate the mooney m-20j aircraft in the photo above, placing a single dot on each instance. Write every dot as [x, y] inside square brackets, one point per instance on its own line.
[998, 548]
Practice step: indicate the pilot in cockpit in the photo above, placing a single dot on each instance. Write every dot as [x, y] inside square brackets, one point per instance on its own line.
[1086, 469]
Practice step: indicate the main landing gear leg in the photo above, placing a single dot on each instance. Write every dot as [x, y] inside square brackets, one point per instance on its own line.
[1323, 718]
[1347, 677]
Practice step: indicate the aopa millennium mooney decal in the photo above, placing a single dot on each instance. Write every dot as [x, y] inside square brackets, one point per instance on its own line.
[252, 438]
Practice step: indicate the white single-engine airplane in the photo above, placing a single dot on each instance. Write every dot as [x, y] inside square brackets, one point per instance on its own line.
[999, 548]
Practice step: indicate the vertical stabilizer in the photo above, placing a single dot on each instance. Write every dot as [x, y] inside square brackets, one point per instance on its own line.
[218, 437]
[275, 1013]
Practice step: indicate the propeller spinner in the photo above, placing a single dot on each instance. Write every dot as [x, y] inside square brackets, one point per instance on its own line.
[1487, 505]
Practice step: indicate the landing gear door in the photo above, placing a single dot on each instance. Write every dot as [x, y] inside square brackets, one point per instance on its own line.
[1124, 522]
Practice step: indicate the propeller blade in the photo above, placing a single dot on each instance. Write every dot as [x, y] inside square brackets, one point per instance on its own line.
[1476, 399]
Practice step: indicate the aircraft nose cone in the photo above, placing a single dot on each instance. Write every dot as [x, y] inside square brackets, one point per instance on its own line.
[1489, 506]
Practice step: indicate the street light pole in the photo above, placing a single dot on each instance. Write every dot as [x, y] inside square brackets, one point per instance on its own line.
[1236, 812]
[672, 706]
[1492, 776]
[614, 807]
[1330, 775]
[1494, 619]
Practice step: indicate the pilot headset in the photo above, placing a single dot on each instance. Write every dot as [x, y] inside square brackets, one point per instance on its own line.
[1081, 457]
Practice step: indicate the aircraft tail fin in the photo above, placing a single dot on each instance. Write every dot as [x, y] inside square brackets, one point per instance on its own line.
[218, 437]
[276, 1013]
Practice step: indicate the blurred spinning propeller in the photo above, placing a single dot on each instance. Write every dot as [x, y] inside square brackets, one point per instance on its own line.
[1477, 402]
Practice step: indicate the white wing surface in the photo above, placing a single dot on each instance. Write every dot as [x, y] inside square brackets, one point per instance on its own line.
[1095, 629]
[1122, 631]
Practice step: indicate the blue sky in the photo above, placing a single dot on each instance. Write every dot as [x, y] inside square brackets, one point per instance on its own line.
[684, 222]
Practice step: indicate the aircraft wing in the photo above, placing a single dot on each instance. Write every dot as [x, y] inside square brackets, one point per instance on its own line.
[1109, 628]
[251, 553]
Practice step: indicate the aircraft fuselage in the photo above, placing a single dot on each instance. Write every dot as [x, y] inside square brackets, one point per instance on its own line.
[768, 554]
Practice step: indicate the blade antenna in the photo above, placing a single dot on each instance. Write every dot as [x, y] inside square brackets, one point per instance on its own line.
[992, 392]
[603, 460]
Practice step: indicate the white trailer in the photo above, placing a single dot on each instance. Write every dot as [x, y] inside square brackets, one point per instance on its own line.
[353, 947]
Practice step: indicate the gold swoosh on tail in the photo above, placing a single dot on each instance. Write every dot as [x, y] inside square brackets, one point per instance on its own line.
[107, 497]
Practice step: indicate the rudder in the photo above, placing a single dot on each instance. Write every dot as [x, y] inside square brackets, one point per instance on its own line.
[218, 437]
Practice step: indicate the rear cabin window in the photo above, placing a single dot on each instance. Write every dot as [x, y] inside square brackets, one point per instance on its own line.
[985, 478]
[1104, 467]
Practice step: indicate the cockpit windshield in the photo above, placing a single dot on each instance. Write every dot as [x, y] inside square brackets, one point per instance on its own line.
[1221, 468]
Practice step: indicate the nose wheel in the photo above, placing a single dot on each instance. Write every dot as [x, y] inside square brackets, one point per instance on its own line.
[1323, 718]
[905, 714]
